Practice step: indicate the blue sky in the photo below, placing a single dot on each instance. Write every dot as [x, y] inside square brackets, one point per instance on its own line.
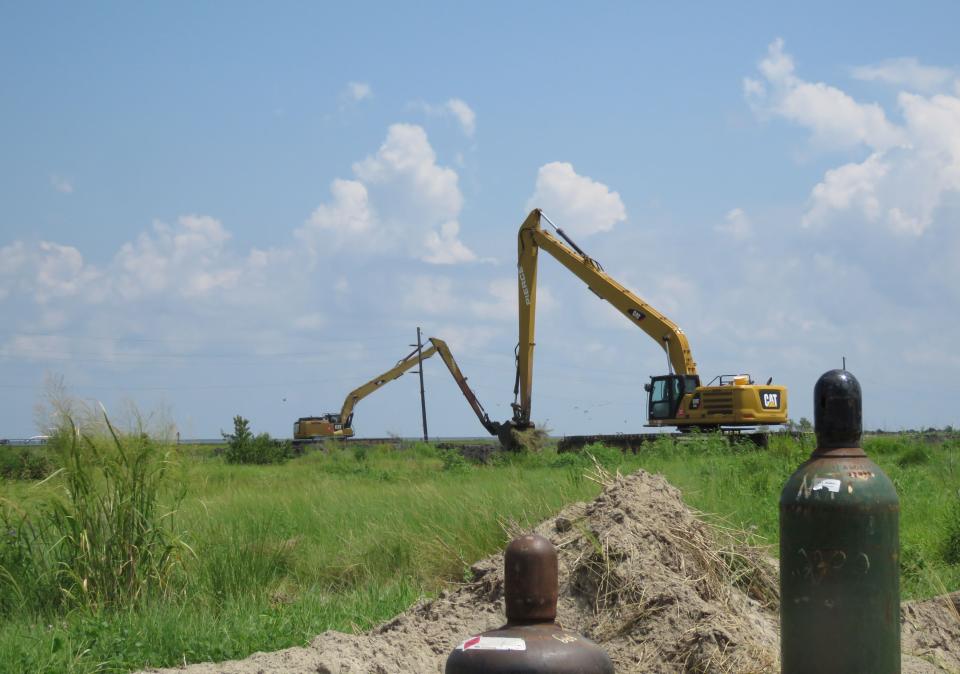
[232, 208]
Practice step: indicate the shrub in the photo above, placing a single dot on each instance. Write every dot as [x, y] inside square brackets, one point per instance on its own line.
[24, 463]
[951, 542]
[109, 540]
[913, 566]
[915, 455]
[422, 450]
[606, 456]
[453, 460]
[244, 447]
[361, 453]
[576, 460]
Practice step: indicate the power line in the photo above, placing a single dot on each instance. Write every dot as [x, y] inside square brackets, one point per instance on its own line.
[37, 353]
[189, 387]
[196, 340]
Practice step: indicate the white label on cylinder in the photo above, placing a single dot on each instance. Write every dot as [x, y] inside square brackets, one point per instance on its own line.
[493, 644]
[828, 483]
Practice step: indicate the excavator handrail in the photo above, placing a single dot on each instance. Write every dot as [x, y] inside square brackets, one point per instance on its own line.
[530, 239]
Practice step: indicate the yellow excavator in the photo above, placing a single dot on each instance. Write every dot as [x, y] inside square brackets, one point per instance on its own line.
[340, 425]
[676, 399]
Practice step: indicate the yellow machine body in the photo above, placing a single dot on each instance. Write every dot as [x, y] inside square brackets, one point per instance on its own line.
[325, 426]
[737, 402]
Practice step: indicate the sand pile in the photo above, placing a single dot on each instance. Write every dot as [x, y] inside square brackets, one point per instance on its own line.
[640, 574]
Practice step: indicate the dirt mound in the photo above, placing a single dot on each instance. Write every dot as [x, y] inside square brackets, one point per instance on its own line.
[642, 575]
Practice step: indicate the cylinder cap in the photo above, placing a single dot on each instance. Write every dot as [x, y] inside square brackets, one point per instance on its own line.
[837, 410]
[530, 580]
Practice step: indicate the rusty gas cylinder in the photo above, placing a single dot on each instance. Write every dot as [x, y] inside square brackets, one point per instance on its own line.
[531, 642]
[839, 548]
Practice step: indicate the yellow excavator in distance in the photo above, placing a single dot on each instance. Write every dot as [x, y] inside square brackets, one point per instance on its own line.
[334, 425]
[677, 399]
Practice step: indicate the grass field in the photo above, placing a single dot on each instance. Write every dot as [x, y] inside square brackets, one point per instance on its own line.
[347, 538]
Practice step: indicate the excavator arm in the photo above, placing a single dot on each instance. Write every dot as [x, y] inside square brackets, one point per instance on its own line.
[441, 347]
[530, 239]
[361, 392]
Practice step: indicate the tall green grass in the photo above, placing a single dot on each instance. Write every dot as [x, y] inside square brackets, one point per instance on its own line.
[345, 538]
[742, 485]
[333, 540]
[106, 539]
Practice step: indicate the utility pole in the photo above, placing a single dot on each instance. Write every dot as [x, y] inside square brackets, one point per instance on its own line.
[423, 400]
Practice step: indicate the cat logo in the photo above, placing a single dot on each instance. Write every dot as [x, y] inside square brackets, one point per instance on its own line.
[636, 314]
[770, 400]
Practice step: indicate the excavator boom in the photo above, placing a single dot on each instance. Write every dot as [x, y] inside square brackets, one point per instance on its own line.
[530, 240]
[675, 399]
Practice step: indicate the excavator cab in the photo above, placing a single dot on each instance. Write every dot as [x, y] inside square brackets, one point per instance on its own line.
[664, 394]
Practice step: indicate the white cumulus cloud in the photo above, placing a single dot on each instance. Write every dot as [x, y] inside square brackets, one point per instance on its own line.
[736, 224]
[401, 200]
[577, 203]
[47, 272]
[187, 258]
[407, 162]
[419, 201]
[347, 219]
[358, 91]
[61, 184]
[61, 272]
[849, 187]
[910, 168]
[429, 295]
[444, 247]
[464, 114]
[453, 107]
[907, 73]
[834, 117]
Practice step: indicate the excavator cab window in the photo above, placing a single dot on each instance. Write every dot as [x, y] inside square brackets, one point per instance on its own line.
[663, 394]
[667, 391]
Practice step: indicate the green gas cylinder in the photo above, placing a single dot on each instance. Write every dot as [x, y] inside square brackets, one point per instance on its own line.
[839, 548]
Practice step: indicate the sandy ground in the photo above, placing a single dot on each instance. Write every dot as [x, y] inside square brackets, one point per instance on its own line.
[641, 575]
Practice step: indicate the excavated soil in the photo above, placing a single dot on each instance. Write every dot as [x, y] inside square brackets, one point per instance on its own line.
[641, 574]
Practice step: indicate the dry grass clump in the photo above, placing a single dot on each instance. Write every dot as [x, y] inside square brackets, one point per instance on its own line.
[533, 439]
[728, 560]
[666, 588]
